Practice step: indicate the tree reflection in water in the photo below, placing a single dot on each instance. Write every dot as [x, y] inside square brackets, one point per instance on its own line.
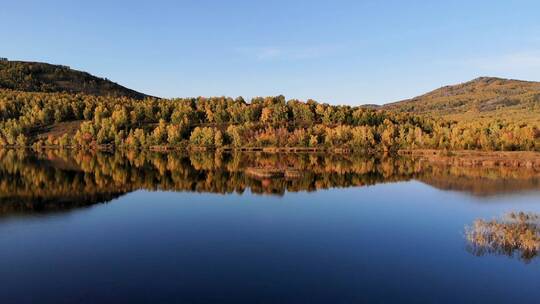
[515, 235]
[54, 180]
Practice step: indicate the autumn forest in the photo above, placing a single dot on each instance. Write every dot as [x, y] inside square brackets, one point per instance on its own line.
[76, 117]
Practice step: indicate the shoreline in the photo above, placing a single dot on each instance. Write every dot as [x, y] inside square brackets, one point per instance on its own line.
[471, 158]
[467, 158]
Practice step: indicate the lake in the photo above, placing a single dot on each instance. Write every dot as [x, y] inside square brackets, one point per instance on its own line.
[134, 227]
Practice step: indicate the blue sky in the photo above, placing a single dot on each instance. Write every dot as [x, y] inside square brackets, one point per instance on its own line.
[341, 52]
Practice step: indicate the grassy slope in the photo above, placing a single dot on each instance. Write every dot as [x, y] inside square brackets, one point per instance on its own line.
[44, 77]
[480, 99]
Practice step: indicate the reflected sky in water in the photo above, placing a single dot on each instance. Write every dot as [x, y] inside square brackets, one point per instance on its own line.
[393, 240]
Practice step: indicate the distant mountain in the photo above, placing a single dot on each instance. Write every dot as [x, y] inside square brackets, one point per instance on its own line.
[44, 77]
[481, 97]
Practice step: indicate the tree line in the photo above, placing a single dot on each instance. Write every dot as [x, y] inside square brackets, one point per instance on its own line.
[223, 122]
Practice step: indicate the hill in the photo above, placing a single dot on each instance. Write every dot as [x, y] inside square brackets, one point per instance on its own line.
[44, 77]
[481, 98]
[51, 106]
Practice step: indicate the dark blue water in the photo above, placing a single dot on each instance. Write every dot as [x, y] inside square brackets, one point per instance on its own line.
[397, 242]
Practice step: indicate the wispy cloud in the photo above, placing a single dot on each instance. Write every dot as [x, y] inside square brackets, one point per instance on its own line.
[287, 53]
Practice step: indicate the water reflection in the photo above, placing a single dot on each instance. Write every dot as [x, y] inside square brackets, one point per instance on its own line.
[63, 179]
[515, 235]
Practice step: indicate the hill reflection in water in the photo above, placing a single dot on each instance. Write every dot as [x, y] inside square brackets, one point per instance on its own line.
[61, 179]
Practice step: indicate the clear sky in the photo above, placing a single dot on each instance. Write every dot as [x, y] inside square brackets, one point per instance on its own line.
[347, 52]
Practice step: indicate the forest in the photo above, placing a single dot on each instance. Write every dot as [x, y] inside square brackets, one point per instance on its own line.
[81, 121]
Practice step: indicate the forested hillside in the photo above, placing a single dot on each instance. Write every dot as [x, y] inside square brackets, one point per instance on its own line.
[483, 98]
[43, 77]
[74, 109]
[85, 121]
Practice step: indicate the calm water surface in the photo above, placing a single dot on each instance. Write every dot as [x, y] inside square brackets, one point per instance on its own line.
[84, 229]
